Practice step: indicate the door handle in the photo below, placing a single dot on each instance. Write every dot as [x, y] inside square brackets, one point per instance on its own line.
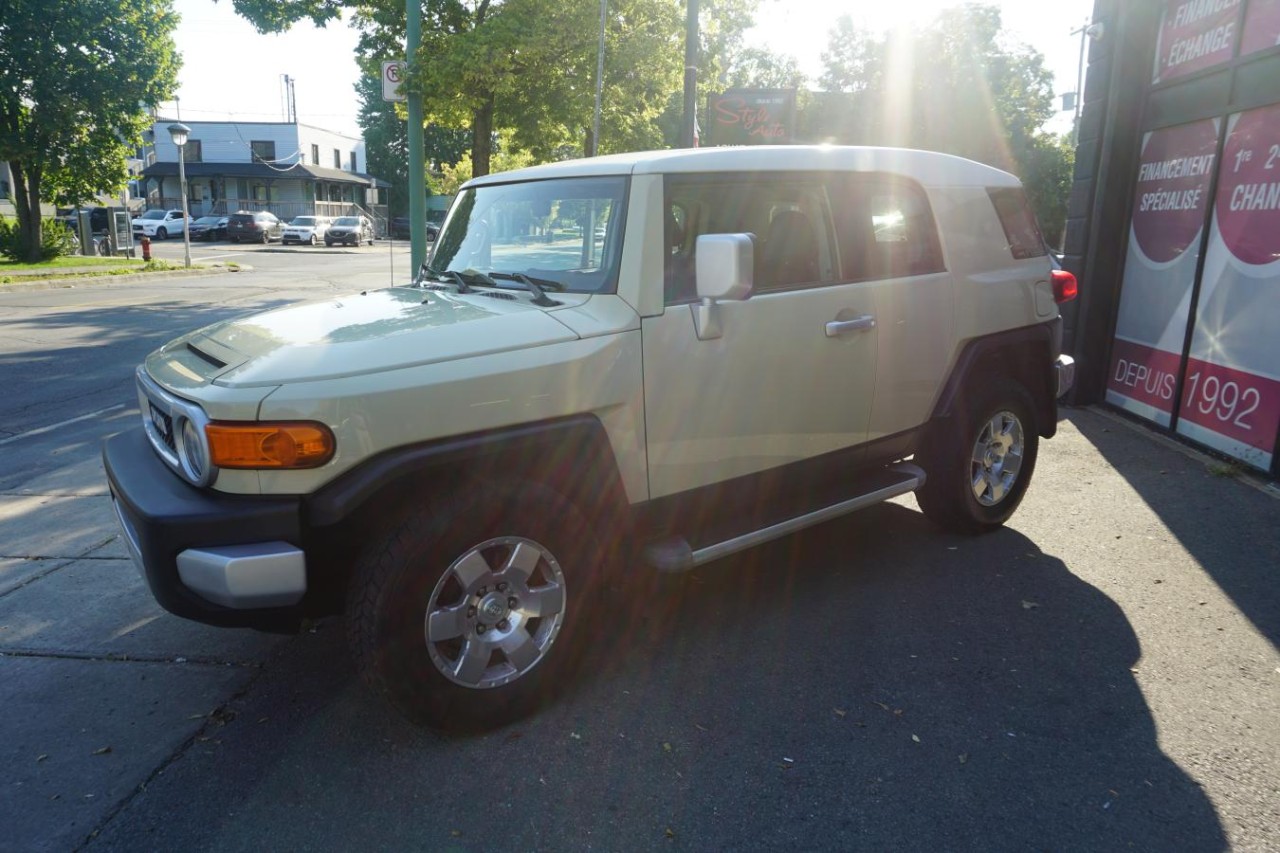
[835, 328]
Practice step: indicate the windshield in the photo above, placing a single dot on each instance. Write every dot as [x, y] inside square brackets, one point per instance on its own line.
[309, 221]
[567, 231]
[346, 220]
[207, 220]
[153, 214]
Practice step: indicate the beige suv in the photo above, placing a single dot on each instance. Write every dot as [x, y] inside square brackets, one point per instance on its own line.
[653, 359]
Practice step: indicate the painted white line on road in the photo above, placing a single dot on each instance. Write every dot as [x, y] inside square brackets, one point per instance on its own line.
[221, 255]
[51, 427]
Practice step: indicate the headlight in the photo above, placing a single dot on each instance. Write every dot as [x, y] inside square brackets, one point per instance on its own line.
[193, 451]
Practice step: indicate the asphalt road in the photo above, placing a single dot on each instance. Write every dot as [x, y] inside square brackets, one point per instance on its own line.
[1101, 674]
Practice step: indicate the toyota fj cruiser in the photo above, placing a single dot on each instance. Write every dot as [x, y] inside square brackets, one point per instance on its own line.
[669, 356]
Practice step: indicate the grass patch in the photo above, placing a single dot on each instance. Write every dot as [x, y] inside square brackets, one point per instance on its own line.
[65, 262]
[106, 267]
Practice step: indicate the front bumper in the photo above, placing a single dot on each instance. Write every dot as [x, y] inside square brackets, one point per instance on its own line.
[219, 559]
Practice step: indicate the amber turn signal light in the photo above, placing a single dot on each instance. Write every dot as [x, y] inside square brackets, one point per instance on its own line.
[269, 445]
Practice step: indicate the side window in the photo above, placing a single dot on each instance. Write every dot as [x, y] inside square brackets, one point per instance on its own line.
[1019, 223]
[788, 216]
[886, 229]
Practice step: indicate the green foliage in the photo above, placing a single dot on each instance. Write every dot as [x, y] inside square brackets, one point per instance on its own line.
[75, 73]
[952, 86]
[56, 240]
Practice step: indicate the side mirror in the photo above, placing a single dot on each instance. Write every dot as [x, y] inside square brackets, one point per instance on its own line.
[726, 267]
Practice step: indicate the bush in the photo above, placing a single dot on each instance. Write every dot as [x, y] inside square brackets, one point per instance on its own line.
[56, 240]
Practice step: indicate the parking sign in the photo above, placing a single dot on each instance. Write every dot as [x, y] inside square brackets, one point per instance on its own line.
[392, 74]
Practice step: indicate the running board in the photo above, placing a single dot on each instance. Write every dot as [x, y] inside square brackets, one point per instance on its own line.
[674, 554]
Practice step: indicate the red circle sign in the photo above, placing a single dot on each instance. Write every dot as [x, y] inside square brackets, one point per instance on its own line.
[1173, 187]
[1248, 203]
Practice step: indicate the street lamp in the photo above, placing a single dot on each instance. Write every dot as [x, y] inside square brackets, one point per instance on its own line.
[179, 132]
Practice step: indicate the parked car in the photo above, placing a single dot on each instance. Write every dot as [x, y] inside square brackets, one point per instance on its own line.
[159, 224]
[209, 228]
[400, 229]
[463, 464]
[306, 229]
[256, 227]
[351, 230]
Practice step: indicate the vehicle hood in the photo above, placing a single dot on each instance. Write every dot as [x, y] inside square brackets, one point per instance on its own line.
[358, 334]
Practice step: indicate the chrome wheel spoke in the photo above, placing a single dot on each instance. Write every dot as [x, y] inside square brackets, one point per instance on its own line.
[473, 662]
[471, 570]
[521, 651]
[542, 602]
[522, 563]
[447, 624]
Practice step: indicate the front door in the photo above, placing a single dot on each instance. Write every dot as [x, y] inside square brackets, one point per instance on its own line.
[791, 375]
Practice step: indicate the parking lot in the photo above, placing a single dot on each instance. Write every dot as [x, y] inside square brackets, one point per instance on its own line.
[1101, 674]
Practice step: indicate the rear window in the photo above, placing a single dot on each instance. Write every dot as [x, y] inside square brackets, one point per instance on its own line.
[241, 218]
[1019, 223]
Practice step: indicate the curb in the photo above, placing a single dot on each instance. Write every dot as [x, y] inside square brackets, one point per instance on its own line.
[128, 278]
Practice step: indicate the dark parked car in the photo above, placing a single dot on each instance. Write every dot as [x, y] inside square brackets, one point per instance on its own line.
[209, 228]
[400, 229]
[352, 230]
[260, 227]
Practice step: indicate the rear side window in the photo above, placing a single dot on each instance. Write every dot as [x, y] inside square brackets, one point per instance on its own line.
[886, 229]
[1019, 222]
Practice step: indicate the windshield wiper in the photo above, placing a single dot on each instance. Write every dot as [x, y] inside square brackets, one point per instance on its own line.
[445, 275]
[535, 286]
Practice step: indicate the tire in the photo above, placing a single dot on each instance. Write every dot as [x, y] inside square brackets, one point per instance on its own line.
[266, 237]
[312, 240]
[162, 234]
[469, 613]
[329, 243]
[980, 462]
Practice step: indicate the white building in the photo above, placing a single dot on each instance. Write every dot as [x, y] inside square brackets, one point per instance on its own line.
[286, 168]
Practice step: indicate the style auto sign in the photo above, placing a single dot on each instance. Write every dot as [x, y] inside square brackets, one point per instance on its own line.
[752, 117]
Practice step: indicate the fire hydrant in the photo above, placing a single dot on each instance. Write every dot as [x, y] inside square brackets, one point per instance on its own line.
[146, 247]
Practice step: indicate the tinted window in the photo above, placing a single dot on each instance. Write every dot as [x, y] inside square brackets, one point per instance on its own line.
[241, 218]
[1019, 223]
[788, 215]
[885, 228]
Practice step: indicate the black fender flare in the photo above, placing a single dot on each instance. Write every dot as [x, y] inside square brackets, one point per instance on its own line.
[571, 454]
[1026, 354]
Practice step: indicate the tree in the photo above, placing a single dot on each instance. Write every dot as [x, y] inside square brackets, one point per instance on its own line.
[952, 86]
[386, 138]
[71, 96]
[526, 67]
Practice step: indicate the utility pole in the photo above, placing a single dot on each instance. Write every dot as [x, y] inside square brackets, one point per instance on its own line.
[595, 118]
[417, 166]
[687, 132]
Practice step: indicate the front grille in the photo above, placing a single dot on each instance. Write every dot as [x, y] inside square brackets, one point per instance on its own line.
[162, 416]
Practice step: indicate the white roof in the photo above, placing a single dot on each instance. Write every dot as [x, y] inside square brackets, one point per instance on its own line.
[930, 168]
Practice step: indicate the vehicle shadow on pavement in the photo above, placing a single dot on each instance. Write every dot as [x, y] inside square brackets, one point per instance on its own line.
[869, 684]
[1229, 530]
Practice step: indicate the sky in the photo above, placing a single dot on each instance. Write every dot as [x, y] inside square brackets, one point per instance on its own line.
[231, 72]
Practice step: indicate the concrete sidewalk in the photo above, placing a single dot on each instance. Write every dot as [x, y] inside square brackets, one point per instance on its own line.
[99, 688]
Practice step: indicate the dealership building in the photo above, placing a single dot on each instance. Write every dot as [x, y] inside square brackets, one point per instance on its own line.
[1174, 221]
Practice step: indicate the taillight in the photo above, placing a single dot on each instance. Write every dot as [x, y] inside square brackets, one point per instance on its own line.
[1064, 286]
[269, 445]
